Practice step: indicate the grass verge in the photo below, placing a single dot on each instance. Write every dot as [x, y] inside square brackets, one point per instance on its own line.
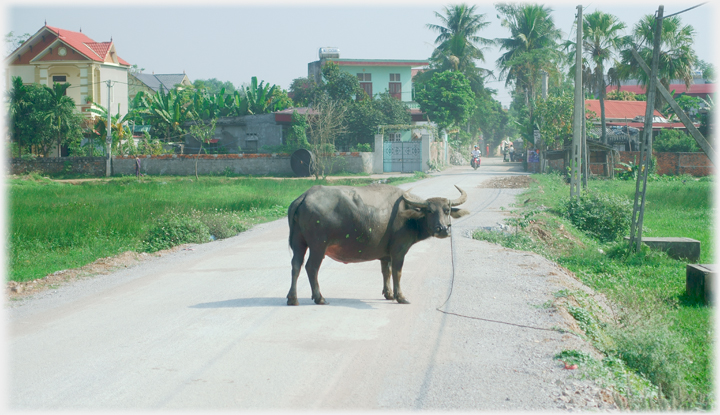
[654, 330]
[56, 226]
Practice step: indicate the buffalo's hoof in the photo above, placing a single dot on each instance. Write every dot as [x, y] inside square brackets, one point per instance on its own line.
[388, 295]
[292, 301]
[402, 300]
[320, 301]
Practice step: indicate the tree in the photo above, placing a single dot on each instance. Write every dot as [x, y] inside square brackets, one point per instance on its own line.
[446, 98]
[13, 41]
[601, 39]
[707, 69]
[490, 118]
[61, 116]
[677, 56]
[458, 46]
[340, 85]
[305, 91]
[213, 86]
[530, 49]
[203, 133]
[555, 116]
[364, 117]
[324, 127]
[118, 124]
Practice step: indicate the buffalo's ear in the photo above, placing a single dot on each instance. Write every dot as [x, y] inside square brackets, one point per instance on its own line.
[412, 213]
[458, 213]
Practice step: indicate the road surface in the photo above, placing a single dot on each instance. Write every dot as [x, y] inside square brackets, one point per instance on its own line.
[207, 328]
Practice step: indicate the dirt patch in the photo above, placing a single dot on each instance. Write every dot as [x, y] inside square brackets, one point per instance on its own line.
[559, 237]
[16, 290]
[508, 182]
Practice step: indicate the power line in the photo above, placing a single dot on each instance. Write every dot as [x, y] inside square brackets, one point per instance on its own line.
[693, 7]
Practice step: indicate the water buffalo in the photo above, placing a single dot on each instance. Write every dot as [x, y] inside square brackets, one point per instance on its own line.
[357, 224]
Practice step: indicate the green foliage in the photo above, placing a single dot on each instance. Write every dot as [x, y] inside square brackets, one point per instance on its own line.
[616, 95]
[447, 99]
[363, 118]
[42, 117]
[677, 57]
[675, 141]
[655, 331]
[603, 215]
[214, 86]
[458, 44]
[340, 85]
[554, 116]
[297, 138]
[174, 228]
[305, 91]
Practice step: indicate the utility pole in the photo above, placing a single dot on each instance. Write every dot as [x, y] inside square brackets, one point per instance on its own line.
[646, 144]
[578, 114]
[108, 140]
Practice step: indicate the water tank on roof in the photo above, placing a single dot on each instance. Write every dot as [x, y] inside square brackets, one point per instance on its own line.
[329, 52]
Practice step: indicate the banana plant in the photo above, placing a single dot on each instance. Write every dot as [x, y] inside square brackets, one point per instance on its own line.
[259, 97]
[119, 129]
[166, 112]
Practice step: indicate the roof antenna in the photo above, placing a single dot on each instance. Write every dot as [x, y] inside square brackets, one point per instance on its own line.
[80, 29]
[45, 22]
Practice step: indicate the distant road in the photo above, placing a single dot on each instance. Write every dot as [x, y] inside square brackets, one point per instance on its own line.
[208, 328]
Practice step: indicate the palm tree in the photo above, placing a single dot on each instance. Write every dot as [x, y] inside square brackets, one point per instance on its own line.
[458, 46]
[677, 56]
[601, 39]
[530, 49]
[60, 114]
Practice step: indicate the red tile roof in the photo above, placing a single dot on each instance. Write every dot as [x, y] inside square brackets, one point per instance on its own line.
[619, 109]
[656, 125]
[93, 50]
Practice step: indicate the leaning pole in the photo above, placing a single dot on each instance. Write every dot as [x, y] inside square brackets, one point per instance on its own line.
[578, 113]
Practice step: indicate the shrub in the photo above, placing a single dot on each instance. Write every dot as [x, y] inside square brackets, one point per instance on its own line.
[673, 141]
[174, 229]
[601, 215]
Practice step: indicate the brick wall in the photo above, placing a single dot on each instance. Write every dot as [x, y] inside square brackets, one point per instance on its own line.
[94, 166]
[675, 164]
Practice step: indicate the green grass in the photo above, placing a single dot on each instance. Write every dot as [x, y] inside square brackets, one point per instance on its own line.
[56, 226]
[657, 332]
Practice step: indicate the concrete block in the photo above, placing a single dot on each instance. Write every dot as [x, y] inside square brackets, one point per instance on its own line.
[678, 248]
[700, 282]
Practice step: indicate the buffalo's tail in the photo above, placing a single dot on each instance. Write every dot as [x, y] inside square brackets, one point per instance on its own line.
[292, 210]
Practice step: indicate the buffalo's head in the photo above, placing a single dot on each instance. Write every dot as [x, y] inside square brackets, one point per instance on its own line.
[436, 212]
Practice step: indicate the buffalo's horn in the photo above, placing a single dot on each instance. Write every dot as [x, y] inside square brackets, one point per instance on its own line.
[412, 201]
[460, 200]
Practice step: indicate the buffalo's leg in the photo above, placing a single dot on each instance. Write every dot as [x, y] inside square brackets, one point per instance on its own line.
[397, 264]
[312, 266]
[387, 290]
[299, 249]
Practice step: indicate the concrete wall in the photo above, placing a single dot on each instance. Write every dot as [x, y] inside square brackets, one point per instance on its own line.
[258, 164]
[244, 133]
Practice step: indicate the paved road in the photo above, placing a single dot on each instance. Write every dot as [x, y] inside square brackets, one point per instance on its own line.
[208, 328]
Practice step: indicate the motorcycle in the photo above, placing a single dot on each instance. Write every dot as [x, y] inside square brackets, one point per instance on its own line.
[475, 162]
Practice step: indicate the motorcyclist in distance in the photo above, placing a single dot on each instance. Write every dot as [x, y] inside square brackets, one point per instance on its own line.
[476, 152]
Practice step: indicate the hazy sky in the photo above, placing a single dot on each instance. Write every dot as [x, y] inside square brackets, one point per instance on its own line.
[275, 40]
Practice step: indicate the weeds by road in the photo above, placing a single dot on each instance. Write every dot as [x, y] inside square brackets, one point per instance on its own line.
[658, 342]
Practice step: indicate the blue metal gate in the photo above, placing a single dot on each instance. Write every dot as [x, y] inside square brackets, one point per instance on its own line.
[402, 156]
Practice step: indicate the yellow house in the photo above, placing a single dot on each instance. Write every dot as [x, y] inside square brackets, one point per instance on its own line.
[59, 55]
